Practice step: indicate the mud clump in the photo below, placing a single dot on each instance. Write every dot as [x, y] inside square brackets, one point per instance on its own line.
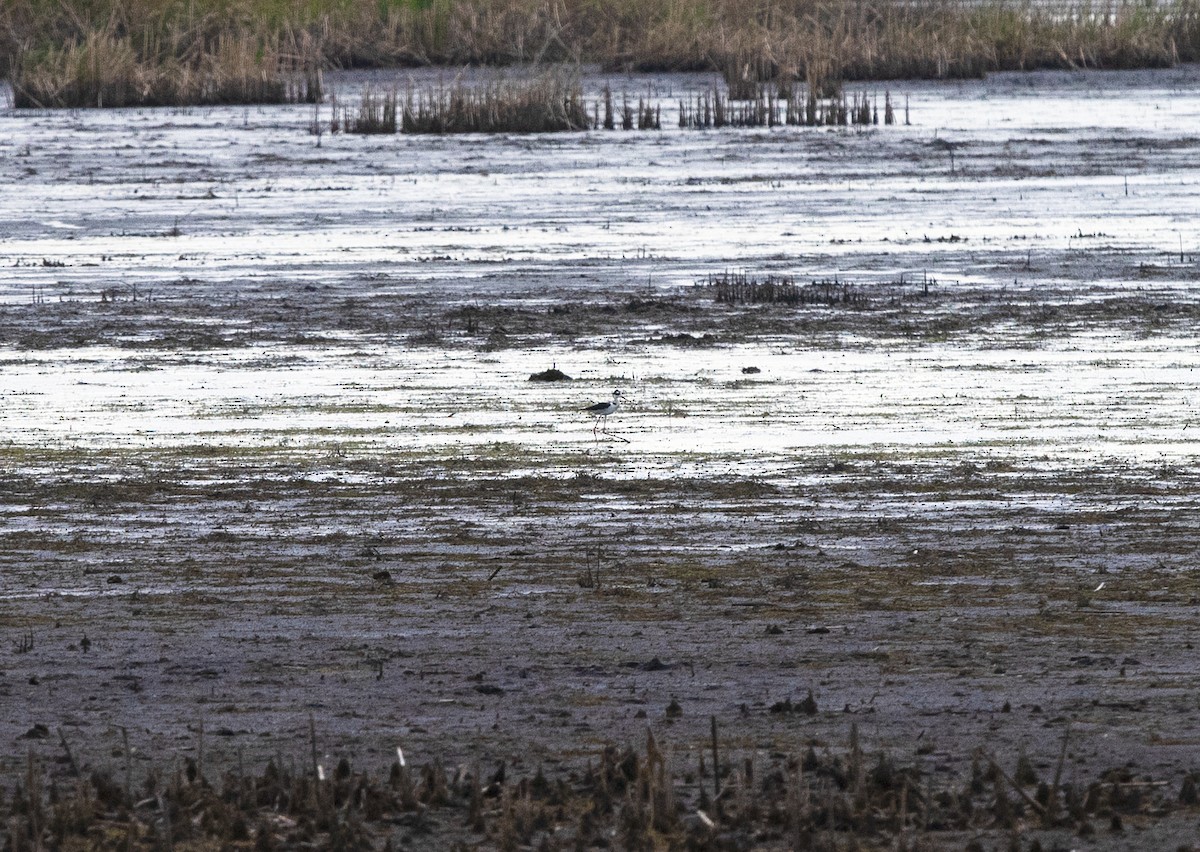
[552, 375]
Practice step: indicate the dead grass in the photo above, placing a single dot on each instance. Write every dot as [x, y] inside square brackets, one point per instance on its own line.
[377, 113]
[738, 288]
[114, 52]
[762, 105]
[815, 796]
[547, 103]
[104, 69]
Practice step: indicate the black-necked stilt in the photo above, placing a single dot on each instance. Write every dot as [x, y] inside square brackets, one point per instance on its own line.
[601, 410]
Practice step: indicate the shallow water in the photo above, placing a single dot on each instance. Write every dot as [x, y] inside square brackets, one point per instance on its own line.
[1063, 187]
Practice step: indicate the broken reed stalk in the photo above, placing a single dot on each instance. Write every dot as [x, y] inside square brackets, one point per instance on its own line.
[33, 791]
[62, 738]
[716, 762]
[590, 578]
[200, 753]
[1052, 802]
[128, 764]
[1028, 799]
[312, 741]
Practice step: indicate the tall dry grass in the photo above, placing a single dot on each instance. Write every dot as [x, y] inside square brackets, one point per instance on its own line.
[106, 70]
[67, 46]
[130, 53]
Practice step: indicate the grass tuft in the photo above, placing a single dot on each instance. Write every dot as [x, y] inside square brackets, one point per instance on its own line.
[550, 102]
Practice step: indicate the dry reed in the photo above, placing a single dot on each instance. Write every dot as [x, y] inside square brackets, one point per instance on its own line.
[107, 70]
[549, 103]
[796, 107]
[72, 48]
[739, 288]
[377, 112]
[632, 799]
[554, 101]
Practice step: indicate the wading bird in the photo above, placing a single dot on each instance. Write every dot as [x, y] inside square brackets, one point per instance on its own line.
[601, 410]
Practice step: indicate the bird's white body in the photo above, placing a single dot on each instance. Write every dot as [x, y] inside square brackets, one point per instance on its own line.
[601, 410]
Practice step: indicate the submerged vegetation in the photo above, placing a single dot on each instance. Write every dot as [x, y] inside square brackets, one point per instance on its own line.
[122, 52]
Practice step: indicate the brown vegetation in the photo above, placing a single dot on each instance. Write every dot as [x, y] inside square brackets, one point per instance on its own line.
[548, 103]
[554, 101]
[734, 288]
[105, 69]
[129, 51]
[641, 799]
[790, 106]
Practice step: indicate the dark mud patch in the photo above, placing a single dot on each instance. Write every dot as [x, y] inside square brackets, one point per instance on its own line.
[942, 608]
[952, 312]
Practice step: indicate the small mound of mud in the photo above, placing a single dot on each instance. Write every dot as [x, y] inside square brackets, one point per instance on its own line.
[552, 375]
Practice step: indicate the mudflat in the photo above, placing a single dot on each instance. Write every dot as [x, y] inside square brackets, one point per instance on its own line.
[277, 487]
